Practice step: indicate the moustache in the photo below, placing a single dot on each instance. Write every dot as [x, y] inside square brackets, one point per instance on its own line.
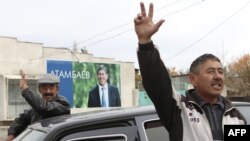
[47, 94]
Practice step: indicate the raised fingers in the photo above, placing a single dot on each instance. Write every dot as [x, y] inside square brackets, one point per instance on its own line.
[143, 10]
[137, 20]
[159, 23]
[22, 74]
[151, 10]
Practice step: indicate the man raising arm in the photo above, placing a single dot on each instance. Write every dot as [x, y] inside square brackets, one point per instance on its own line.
[202, 113]
[47, 105]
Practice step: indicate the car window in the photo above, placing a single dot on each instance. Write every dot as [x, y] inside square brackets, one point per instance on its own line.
[155, 131]
[106, 134]
[31, 135]
[101, 138]
[245, 111]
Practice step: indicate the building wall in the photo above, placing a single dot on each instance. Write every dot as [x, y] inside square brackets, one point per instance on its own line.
[31, 57]
[2, 97]
[15, 55]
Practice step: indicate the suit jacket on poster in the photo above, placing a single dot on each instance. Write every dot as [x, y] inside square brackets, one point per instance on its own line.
[113, 93]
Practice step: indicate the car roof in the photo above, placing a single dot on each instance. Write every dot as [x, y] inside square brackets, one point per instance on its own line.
[98, 115]
[240, 103]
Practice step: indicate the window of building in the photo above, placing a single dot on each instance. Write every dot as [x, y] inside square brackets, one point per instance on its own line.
[16, 103]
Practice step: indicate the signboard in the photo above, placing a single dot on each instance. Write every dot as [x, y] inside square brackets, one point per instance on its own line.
[78, 78]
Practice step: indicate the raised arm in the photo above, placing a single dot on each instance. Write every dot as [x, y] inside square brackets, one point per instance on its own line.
[155, 77]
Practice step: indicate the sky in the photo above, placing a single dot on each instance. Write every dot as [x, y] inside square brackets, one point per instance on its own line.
[105, 27]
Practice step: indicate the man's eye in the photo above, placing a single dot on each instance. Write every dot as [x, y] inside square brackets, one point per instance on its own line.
[210, 71]
[221, 72]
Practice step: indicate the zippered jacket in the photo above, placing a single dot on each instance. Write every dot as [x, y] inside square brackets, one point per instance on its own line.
[41, 109]
[184, 119]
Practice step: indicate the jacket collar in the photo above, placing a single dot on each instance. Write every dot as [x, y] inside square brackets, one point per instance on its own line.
[192, 96]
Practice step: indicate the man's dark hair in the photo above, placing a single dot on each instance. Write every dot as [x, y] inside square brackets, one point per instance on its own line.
[102, 67]
[194, 68]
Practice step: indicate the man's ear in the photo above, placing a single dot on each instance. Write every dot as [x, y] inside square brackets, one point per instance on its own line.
[192, 79]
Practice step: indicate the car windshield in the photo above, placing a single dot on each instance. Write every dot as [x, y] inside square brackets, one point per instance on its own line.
[31, 135]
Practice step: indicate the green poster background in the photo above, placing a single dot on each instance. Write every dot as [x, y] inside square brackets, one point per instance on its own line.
[88, 80]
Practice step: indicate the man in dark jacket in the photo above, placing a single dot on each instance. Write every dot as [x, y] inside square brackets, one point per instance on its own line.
[47, 105]
[201, 114]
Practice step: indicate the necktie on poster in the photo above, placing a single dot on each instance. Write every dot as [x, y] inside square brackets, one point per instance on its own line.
[104, 104]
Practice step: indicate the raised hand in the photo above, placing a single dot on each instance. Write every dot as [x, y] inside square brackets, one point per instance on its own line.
[23, 82]
[144, 25]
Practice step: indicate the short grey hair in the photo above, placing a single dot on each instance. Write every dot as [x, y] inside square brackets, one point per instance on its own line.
[194, 68]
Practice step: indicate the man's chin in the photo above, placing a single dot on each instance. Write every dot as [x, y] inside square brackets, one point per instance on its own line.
[102, 82]
[48, 98]
[217, 93]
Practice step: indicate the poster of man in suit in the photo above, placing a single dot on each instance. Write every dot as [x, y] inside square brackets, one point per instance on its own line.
[79, 78]
[89, 93]
[104, 94]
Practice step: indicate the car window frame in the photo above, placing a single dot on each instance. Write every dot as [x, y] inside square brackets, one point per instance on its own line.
[147, 133]
[129, 132]
[141, 120]
[26, 133]
[82, 126]
[239, 107]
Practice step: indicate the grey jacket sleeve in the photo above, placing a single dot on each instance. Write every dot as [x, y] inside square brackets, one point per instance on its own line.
[58, 106]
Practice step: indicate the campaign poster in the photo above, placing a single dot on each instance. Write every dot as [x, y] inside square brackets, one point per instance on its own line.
[78, 78]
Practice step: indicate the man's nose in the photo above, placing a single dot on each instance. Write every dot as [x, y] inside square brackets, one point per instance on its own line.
[218, 75]
[47, 90]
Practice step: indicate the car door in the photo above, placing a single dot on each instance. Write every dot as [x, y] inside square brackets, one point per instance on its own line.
[107, 134]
